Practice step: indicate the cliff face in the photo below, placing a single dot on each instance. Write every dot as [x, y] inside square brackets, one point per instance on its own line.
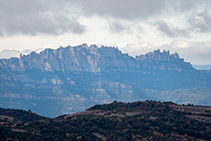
[93, 59]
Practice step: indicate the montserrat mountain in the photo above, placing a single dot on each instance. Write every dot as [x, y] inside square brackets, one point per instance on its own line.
[86, 58]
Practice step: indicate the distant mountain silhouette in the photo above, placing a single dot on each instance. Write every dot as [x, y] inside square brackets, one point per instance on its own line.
[70, 79]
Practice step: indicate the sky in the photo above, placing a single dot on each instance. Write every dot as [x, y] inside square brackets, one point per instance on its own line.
[134, 26]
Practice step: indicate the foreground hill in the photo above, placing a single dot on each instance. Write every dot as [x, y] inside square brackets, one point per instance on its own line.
[147, 120]
[71, 79]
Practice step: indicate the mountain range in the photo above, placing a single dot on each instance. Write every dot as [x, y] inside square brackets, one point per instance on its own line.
[70, 79]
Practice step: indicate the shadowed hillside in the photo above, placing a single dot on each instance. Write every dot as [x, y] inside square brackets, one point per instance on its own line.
[149, 120]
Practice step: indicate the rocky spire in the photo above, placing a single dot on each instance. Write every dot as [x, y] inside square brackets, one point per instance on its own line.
[157, 55]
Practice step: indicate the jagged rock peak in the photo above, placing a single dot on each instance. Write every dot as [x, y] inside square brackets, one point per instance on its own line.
[72, 58]
[157, 55]
[92, 59]
[82, 47]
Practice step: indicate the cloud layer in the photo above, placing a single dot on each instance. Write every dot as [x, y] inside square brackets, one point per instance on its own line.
[59, 17]
[125, 9]
[36, 16]
[170, 30]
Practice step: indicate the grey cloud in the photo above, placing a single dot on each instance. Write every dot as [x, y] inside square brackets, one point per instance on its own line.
[125, 9]
[170, 30]
[137, 9]
[36, 16]
[116, 26]
[143, 10]
[58, 17]
[186, 5]
[200, 22]
[194, 23]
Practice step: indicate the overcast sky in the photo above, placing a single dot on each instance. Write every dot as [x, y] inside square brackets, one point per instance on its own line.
[135, 26]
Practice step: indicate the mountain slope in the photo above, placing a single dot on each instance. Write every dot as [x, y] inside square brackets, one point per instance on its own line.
[71, 79]
[147, 120]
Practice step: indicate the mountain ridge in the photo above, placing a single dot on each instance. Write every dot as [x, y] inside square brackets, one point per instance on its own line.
[92, 59]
